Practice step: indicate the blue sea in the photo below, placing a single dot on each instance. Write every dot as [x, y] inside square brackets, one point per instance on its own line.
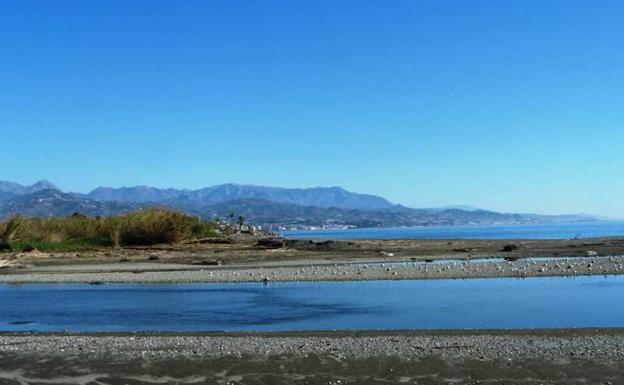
[549, 231]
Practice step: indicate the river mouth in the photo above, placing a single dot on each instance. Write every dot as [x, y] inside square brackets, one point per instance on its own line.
[499, 303]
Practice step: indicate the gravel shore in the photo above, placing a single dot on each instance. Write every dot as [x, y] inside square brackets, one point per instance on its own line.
[604, 344]
[495, 357]
[314, 271]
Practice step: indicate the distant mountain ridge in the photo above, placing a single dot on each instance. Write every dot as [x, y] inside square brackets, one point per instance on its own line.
[269, 206]
[283, 214]
[136, 194]
[315, 196]
[54, 203]
[13, 189]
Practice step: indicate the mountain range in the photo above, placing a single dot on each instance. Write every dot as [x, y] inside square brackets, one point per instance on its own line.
[273, 207]
[317, 196]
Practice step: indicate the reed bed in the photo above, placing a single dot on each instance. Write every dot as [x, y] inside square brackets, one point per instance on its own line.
[78, 232]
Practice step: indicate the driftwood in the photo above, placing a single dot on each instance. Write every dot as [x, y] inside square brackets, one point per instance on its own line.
[6, 264]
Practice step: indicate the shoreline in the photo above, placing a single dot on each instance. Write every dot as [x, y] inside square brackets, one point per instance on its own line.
[560, 356]
[605, 343]
[312, 271]
[249, 259]
[552, 332]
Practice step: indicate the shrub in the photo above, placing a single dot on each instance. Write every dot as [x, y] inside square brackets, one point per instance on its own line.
[78, 232]
[7, 232]
[509, 248]
[155, 226]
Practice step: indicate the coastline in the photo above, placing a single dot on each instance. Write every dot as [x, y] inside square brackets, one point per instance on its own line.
[314, 270]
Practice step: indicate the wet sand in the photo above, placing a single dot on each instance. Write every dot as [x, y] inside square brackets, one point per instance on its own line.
[485, 357]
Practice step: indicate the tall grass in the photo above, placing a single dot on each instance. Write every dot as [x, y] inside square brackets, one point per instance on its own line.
[78, 232]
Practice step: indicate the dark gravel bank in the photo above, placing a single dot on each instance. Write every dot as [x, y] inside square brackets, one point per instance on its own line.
[492, 357]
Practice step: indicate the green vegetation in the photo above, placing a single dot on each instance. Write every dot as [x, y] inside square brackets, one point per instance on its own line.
[68, 245]
[78, 232]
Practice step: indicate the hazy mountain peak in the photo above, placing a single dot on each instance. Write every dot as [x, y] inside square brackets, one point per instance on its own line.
[134, 194]
[12, 188]
[7, 186]
[43, 184]
[460, 207]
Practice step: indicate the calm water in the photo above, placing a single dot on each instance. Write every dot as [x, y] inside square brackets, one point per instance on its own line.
[559, 231]
[435, 304]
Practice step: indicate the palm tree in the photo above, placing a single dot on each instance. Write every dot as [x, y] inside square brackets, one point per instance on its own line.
[241, 220]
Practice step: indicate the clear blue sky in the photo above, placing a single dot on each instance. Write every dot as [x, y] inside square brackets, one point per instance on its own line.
[506, 105]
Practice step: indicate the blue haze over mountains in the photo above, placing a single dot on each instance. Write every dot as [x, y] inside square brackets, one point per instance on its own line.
[269, 206]
[316, 196]
[11, 189]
